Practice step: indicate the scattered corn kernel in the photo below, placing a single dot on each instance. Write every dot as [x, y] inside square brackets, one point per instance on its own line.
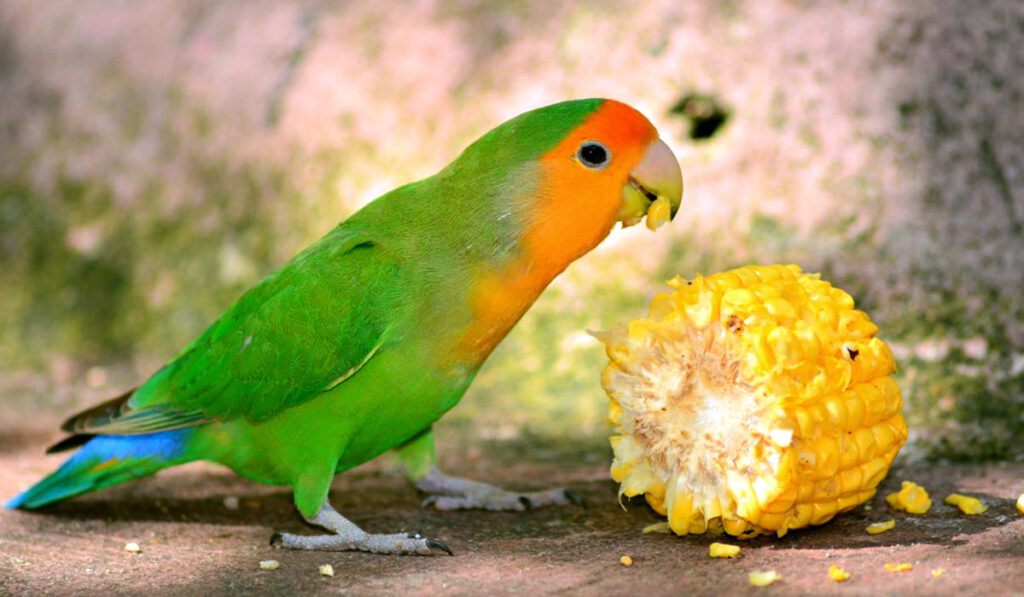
[326, 570]
[881, 527]
[658, 527]
[761, 396]
[760, 578]
[967, 504]
[722, 550]
[899, 567]
[837, 574]
[1020, 504]
[132, 547]
[912, 498]
[938, 572]
[231, 503]
[269, 564]
[626, 561]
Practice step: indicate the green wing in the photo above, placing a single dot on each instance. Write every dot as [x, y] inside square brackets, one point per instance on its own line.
[300, 331]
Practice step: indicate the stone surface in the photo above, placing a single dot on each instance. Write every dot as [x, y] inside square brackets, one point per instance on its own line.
[190, 544]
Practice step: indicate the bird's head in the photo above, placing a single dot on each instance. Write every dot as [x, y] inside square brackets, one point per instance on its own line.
[613, 163]
[540, 191]
[567, 172]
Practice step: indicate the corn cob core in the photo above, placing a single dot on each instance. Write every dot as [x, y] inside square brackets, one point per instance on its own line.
[755, 400]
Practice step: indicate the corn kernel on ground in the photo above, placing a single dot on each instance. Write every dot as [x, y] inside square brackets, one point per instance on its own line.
[838, 574]
[626, 561]
[968, 505]
[881, 527]
[899, 567]
[1020, 504]
[912, 499]
[756, 400]
[658, 527]
[269, 564]
[760, 578]
[723, 550]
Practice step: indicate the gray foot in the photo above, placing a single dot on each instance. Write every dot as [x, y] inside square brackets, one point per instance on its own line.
[453, 493]
[346, 536]
[397, 544]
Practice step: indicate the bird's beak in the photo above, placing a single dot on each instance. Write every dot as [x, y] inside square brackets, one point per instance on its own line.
[654, 189]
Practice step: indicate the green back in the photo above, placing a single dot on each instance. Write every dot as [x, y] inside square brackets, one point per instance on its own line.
[378, 278]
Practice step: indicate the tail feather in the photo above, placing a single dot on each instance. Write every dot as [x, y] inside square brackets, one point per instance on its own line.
[103, 461]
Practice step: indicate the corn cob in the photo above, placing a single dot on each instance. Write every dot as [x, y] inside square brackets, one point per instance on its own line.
[752, 401]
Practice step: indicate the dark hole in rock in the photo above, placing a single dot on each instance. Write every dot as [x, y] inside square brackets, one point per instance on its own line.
[705, 112]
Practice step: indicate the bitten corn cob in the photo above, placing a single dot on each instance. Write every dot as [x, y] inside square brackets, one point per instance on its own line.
[755, 400]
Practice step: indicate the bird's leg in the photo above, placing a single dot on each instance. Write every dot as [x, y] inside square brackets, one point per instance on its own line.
[346, 536]
[452, 493]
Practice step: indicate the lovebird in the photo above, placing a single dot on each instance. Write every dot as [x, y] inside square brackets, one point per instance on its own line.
[359, 343]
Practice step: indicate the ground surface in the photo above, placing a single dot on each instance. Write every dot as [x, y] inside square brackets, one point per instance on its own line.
[193, 544]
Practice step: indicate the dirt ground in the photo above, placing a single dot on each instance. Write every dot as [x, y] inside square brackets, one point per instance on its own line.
[192, 543]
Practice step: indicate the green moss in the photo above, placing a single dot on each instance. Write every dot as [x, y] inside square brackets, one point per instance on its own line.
[62, 285]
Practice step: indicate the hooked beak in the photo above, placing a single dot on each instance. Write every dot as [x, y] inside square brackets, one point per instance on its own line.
[654, 189]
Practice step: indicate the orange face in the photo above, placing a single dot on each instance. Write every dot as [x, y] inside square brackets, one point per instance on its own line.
[581, 202]
[612, 168]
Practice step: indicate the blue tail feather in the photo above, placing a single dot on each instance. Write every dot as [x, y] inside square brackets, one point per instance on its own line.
[103, 461]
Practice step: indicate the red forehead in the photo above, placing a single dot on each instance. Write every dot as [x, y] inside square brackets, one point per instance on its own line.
[617, 125]
[626, 132]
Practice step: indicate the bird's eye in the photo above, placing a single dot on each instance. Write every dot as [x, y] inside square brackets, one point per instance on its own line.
[593, 155]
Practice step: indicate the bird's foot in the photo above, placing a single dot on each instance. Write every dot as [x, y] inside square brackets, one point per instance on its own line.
[453, 493]
[397, 543]
[346, 536]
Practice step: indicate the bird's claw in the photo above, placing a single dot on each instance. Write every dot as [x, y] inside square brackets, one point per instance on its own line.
[431, 543]
[575, 498]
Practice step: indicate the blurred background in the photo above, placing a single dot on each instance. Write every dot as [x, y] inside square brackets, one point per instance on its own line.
[159, 157]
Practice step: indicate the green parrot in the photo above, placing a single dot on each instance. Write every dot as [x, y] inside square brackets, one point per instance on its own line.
[361, 342]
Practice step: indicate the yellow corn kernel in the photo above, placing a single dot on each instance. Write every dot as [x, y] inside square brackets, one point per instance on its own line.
[881, 527]
[735, 526]
[837, 574]
[626, 561]
[938, 572]
[752, 401]
[269, 564]
[658, 527]
[760, 578]
[968, 505]
[614, 413]
[874, 471]
[912, 498]
[722, 550]
[899, 567]
[1020, 504]
[657, 504]
[660, 212]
